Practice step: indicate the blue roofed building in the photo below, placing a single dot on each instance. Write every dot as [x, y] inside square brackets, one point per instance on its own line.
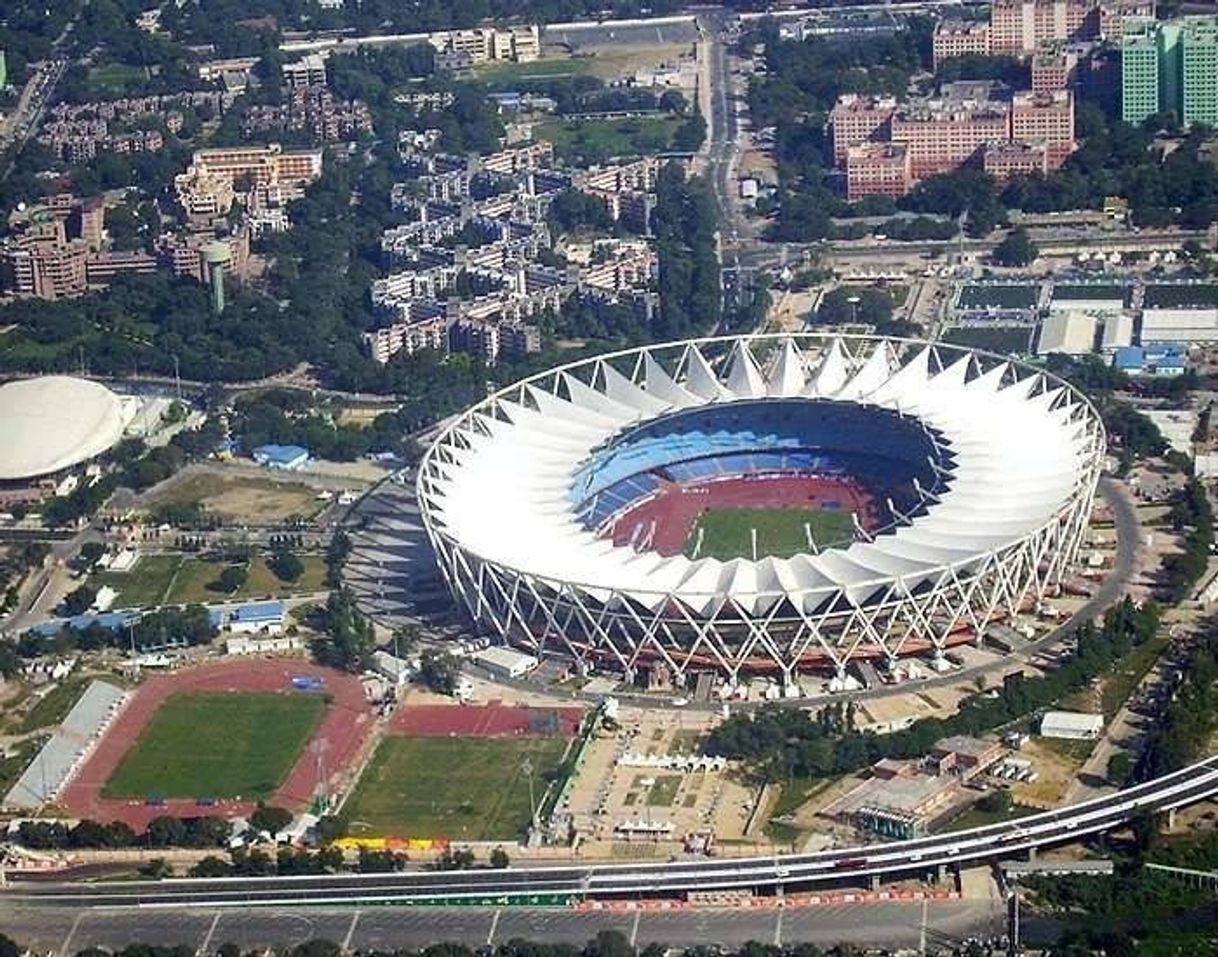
[1153, 359]
[289, 458]
[262, 617]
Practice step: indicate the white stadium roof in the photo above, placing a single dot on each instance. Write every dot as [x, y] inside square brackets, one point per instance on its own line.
[495, 491]
[1019, 459]
[54, 422]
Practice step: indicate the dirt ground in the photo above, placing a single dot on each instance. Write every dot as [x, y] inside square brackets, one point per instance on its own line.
[237, 497]
[1056, 763]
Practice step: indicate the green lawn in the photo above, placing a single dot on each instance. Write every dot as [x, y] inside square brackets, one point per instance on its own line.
[457, 788]
[54, 706]
[726, 533]
[117, 77]
[998, 296]
[179, 580]
[1004, 340]
[594, 141]
[1181, 296]
[506, 75]
[220, 745]
[976, 817]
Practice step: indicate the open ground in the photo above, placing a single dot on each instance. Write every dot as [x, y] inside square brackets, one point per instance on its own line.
[181, 580]
[252, 499]
[230, 745]
[344, 727]
[459, 788]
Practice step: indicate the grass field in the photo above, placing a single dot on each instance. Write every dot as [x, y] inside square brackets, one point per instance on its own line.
[217, 745]
[1006, 340]
[458, 788]
[54, 706]
[239, 498]
[116, 77]
[594, 141]
[1069, 292]
[726, 533]
[1182, 296]
[178, 580]
[508, 74]
[998, 296]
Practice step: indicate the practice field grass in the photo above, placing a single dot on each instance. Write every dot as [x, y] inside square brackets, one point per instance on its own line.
[217, 745]
[1182, 296]
[727, 533]
[1005, 340]
[457, 788]
[177, 580]
[1073, 292]
[594, 141]
[998, 296]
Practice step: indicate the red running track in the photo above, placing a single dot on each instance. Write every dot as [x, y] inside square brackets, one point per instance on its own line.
[668, 517]
[344, 727]
[493, 720]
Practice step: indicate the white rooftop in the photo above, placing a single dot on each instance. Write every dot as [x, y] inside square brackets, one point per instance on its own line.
[54, 422]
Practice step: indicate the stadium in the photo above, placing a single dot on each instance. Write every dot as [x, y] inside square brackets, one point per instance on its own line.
[770, 504]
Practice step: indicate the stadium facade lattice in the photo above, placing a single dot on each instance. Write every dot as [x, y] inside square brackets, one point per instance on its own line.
[981, 474]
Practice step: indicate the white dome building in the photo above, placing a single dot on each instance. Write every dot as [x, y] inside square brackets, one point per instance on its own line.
[52, 423]
[981, 471]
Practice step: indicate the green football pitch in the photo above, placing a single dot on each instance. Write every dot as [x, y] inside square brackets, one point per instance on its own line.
[217, 745]
[471, 789]
[754, 533]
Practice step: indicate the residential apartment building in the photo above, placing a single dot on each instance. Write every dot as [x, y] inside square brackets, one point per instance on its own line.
[857, 119]
[408, 337]
[479, 44]
[307, 71]
[260, 164]
[878, 169]
[1047, 118]
[1053, 69]
[943, 135]
[1009, 158]
[954, 38]
[1170, 66]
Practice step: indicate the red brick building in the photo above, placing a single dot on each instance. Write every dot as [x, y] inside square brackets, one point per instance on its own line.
[878, 169]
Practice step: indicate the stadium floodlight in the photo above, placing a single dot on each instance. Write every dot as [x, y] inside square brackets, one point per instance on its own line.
[977, 476]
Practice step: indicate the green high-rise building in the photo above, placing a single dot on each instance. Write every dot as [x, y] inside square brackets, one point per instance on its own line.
[1139, 71]
[1170, 67]
[3, 71]
[1199, 70]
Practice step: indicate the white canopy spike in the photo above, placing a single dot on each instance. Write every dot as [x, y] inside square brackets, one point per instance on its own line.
[621, 389]
[788, 377]
[832, 373]
[700, 378]
[744, 379]
[661, 385]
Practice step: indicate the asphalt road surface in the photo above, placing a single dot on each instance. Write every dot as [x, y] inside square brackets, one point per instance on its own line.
[64, 932]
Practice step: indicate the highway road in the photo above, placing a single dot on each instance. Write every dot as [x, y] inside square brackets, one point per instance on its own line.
[64, 931]
[672, 879]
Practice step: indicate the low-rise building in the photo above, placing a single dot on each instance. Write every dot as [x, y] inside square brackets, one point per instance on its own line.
[288, 458]
[1071, 725]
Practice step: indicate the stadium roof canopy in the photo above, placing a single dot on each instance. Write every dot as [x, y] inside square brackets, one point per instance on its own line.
[54, 422]
[1024, 444]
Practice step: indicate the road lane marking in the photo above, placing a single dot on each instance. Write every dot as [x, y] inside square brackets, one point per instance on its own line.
[634, 930]
[778, 928]
[490, 937]
[922, 929]
[350, 932]
[67, 941]
[210, 931]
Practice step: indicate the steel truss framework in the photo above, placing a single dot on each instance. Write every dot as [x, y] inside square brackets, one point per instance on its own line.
[767, 616]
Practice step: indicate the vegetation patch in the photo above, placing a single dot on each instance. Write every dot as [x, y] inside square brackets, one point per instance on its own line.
[217, 745]
[473, 789]
[727, 533]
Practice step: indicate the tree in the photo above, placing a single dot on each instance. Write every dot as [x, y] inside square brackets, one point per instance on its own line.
[270, 819]
[1120, 768]
[997, 801]
[499, 858]
[347, 638]
[156, 869]
[286, 565]
[90, 553]
[438, 672]
[232, 579]
[166, 831]
[79, 600]
[1016, 249]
